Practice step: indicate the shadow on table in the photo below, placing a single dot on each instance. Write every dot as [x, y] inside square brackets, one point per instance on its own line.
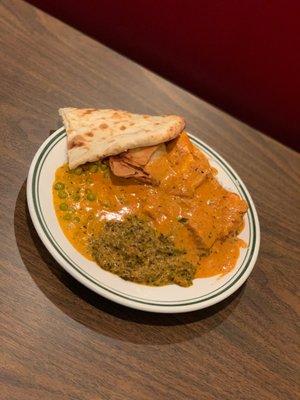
[102, 315]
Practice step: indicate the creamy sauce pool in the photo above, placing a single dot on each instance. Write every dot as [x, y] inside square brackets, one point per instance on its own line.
[87, 197]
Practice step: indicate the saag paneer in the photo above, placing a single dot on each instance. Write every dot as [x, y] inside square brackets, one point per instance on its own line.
[136, 252]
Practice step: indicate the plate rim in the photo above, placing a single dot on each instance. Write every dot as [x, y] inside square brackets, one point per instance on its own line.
[131, 301]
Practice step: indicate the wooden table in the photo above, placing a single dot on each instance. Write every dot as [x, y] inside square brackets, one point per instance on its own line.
[61, 341]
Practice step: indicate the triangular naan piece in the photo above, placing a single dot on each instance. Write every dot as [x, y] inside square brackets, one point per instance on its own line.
[97, 133]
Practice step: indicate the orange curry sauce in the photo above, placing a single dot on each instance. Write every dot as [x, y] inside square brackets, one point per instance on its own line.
[188, 204]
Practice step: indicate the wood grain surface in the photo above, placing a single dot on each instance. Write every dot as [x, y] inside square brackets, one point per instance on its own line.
[61, 341]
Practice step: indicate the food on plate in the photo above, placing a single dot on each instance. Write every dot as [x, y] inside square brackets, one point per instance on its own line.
[154, 213]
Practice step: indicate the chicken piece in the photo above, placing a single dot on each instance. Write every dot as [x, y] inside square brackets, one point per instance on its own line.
[140, 156]
[202, 231]
[131, 163]
[185, 177]
[217, 221]
[178, 166]
[190, 164]
[183, 170]
[233, 210]
[180, 145]
[121, 168]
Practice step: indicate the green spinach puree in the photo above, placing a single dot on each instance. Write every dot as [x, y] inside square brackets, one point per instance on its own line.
[136, 252]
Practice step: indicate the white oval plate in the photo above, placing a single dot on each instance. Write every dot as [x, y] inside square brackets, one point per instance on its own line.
[166, 299]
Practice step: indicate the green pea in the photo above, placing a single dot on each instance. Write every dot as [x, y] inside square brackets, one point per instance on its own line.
[78, 171]
[91, 197]
[67, 217]
[103, 167]
[59, 186]
[93, 168]
[89, 180]
[76, 219]
[63, 207]
[106, 173]
[62, 194]
[76, 196]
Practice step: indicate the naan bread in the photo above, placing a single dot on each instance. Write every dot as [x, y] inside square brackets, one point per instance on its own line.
[97, 133]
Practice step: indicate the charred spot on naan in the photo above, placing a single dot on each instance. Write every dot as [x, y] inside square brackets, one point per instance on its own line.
[117, 115]
[88, 111]
[77, 141]
[103, 126]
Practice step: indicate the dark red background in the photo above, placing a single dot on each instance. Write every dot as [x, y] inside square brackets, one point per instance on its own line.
[243, 56]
